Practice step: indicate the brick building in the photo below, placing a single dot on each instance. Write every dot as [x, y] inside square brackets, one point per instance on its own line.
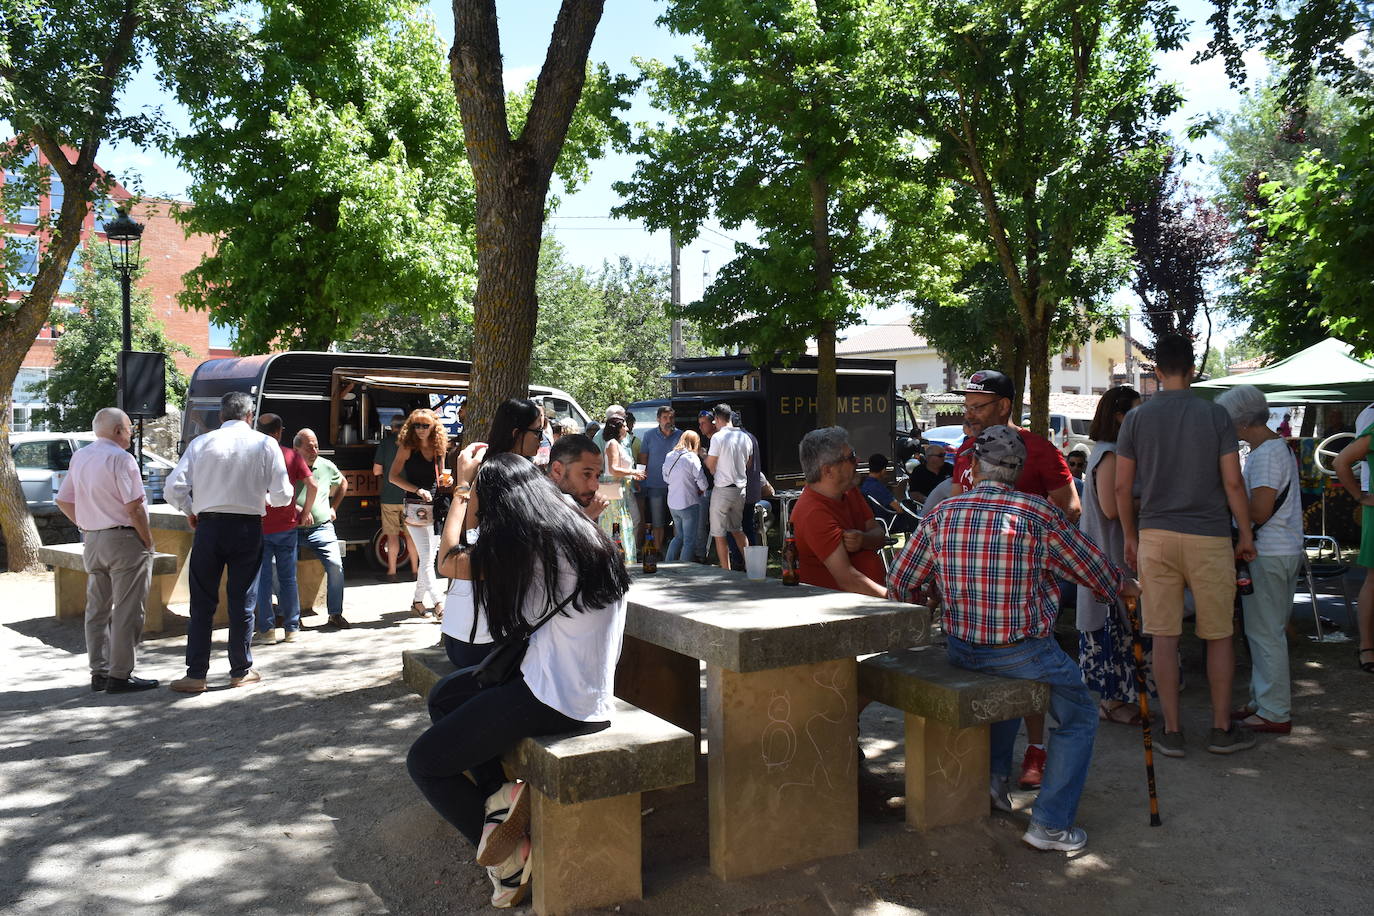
[169, 254]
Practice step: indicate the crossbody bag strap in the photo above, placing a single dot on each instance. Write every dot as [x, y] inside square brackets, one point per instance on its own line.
[551, 614]
[1278, 502]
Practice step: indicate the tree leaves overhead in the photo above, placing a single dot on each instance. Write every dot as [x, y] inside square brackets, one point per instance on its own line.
[330, 167]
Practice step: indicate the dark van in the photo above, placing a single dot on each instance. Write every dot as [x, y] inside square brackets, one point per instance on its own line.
[348, 399]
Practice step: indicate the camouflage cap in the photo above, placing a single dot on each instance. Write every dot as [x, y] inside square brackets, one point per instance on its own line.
[1001, 446]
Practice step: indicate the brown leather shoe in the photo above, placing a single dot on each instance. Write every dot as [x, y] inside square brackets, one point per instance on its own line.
[188, 685]
[250, 676]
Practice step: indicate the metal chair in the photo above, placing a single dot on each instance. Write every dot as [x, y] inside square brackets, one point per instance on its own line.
[1333, 568]
[881, 512]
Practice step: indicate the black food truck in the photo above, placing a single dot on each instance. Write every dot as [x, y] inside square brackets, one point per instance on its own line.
[777, 404]
[348, 399]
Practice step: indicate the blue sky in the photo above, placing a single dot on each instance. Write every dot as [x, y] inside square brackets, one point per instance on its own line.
[628, 29]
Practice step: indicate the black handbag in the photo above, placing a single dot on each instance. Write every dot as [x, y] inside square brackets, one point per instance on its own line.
[503, 661]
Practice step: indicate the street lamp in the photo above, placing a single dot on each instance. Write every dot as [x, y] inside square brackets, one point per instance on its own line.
[122, 235]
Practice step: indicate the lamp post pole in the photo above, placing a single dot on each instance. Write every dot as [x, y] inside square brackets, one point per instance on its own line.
[122, 235]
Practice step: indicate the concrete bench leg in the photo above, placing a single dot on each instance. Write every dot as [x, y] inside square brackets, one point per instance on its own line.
[69, 586]
[783, 766]
[660, 681]
[178, 543]
[310, 583]
[585, 855]
[947, 771]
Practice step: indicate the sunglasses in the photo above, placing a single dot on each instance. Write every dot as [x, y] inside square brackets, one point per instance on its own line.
[537, 430]
[852, 456]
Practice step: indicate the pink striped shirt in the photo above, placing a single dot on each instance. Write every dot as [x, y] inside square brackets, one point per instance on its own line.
[102, 479]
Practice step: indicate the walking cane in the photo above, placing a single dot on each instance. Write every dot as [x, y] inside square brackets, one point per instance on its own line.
[1143, 695]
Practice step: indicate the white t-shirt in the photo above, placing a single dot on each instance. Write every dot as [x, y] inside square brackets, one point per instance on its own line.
[1272, 465]
[1363, 422]
[730, 446]
[459, 612]
[570, 665]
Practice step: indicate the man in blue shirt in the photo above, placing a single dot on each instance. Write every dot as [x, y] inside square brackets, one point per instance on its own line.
[880, 499]
[654, 446]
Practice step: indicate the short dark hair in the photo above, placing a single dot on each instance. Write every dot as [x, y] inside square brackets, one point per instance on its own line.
[236, 405]
[666, 408]
[1174, 355]
[723, 411]
[269, 424]
[877, 463]
[571, 447]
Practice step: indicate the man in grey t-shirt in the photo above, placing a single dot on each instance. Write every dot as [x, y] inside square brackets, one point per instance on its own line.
[727, 459]
[1183, 449]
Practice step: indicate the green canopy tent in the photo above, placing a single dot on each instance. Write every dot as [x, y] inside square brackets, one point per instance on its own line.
[1324, 373]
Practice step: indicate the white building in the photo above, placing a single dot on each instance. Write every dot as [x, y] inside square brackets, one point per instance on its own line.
[1088, 369]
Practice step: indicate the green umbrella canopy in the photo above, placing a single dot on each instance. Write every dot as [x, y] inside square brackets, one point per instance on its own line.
[1324, 373]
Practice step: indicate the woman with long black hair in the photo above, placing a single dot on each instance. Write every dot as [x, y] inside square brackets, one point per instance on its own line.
[536, 557]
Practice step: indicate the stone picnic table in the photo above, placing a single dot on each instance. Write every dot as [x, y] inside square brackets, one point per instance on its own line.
[172, 533]
[782, 702]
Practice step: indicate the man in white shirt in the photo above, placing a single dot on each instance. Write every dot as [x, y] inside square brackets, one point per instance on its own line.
[223, 483]
[727, 460]
[103, 496]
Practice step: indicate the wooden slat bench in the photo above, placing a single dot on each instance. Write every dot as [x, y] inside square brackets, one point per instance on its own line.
[585, 815]
[69, 583]
[948, 711]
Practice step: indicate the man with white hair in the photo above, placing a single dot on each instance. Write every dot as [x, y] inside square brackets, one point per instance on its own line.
[103, 495]
[995, 553]
[224, 483]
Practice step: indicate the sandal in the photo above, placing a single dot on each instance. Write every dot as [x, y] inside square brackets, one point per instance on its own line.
[1124, 714]
[438, 613]
[418, 609]
[1366, 667]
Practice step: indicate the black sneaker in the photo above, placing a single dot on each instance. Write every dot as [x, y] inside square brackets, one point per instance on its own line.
[1170, 744]
[99, 682]
[1230, 740]
[337, 622]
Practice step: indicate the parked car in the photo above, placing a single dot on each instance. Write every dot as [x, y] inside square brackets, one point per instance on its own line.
[42, 459]
[1067, 432]
[951, 437]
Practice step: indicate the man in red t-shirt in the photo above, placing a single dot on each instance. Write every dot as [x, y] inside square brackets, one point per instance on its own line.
[279, 545]
[988, 402]
[838, 538]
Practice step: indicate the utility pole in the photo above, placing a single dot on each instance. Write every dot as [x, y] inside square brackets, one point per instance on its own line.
[675, 273]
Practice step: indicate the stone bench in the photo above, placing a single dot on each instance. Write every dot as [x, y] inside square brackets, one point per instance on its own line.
[585, 812]
[948, 711]
[69, 583]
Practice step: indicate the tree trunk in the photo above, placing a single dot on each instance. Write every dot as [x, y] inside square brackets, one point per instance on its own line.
[823, 286]
[826, 391]
[511, 179]
[1038, 357]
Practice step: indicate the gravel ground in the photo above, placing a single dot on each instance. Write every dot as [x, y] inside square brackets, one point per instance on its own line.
[291, 797]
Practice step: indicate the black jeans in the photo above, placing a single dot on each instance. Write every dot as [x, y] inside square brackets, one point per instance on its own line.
[473, 728]
[221, 542]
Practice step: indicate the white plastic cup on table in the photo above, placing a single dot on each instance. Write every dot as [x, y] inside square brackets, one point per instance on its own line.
[756, 562]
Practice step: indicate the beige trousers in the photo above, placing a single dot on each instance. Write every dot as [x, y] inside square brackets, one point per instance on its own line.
[119, 571]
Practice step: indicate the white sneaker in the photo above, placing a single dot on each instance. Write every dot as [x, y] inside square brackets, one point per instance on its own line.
[1001, 797]
[508, 821]
[264, 638]
[278, 634]
[289, 636]
[511, 879]
[1070, 839]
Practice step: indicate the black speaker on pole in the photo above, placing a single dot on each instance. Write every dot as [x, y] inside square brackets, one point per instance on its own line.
[143, 383]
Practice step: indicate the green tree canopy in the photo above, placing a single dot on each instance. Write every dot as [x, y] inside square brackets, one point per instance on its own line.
[1046, 116]
[86, 357]
[329, 167]
[775, 123]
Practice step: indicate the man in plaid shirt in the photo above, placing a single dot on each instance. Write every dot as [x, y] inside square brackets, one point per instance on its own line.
[996, 553]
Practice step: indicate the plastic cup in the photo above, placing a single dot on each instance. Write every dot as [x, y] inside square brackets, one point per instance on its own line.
[756, 562]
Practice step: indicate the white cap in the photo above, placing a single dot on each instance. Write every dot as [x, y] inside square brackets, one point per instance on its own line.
[615, 410]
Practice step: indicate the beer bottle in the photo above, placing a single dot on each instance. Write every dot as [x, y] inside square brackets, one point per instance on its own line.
[650, 558]
[790, 575]
[619, 541]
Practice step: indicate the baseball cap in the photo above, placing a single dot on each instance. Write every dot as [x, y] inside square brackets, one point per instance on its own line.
[990, 381]
[1002, 446]
[615, 410]
[705, 413]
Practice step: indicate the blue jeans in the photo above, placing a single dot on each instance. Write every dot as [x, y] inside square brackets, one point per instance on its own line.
[657, 498]
[700, 550]
[1073, 706]
[322, 540]
[281, 548]
[684, 532]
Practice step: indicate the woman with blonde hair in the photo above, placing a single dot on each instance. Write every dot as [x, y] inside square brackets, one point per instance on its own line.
[686, 482]
[419, 470]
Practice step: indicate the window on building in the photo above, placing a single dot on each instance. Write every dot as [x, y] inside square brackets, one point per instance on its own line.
[29, 396]
[221, 336]
[21, 259]
[28, 213]
[1072, 359]
[1070, 389]
[73, 273]
[56, 193]
[104, 212]
[1098, 389]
